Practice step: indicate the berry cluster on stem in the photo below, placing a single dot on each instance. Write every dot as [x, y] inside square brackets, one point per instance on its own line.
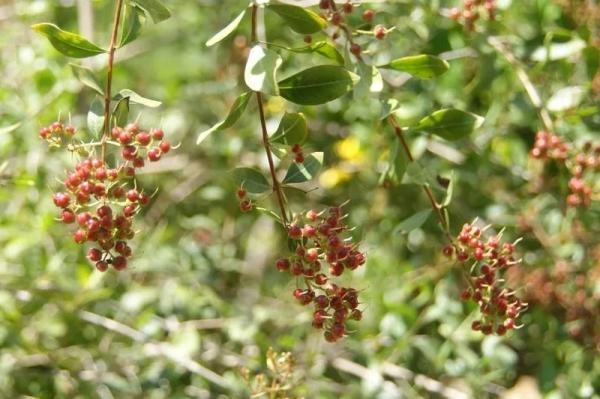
[472, 10]
[322, 252]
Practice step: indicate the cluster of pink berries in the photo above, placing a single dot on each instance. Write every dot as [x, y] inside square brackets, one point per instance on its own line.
[102, 201]
[55, 133]
[320, 239]
[337, 18]
[472, 10]
[245, 203]
[583, 165]
[135, 141]
[498, 305]
[298, 154]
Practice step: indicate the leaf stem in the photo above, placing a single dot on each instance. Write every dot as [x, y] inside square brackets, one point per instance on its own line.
[434, 205]
[265, 135]
[109, 73]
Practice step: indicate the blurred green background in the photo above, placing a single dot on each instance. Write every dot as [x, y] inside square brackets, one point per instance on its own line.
[202, 297]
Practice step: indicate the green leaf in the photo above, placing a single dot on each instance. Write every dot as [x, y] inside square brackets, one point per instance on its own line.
[95, 117]
[9, 128]
[252, 180]
[132, 24]
[566, 98]
[422, 66]
[86, 76]
[226, 31]
[121, 112]
[236, 111]
[449, 192]
[261, 68]
[398, 163]
[299, 19]
[68, 43]
[414, 222]
[157, 10]
[292, 129]
[415, 173]
[317, 85]
[300, 173]
[388, 107]
[370, 81]
[323, 48]
[450, 124]
[135, 98]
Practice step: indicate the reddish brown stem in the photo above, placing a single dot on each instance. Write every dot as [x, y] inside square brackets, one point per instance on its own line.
[434, 205]
[265, 135]
[109, 73]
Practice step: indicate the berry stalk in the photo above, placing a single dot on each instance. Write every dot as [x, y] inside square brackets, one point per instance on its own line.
[109, 72]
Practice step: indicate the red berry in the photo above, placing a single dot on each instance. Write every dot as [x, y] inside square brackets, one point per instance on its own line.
[380, 31]
[356, 314]
[143, 138]
[104, 210]
[119, 262]
[133, 195]
[246, 205]
[283, 265]
[165, 147]
[67, 216]
[61, 200]
[308, 39]
[294, 231]
[324, 4]
[94, 254]
[368, 15]
[144, 199]
[158, 134]
[154, 154]
[337, 19]
[348, 7]
[101, 266]
[80, 236]
[241, 193]
[355, 49]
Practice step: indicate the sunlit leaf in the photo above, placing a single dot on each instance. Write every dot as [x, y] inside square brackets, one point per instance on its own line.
[450, 124]
[300, 173]
[292, 129]
[87, 77]
[135, 98]
[226, 31]
[236, 111]
[95, 117]
[132, 24]
[261, 69]
[414, 222]
[157, 10]
[68, 43]
[317, 85]
[299, 19]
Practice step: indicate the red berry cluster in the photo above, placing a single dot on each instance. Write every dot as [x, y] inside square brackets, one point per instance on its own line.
[319, 238]
[102, 200]
[55, 133]
[337, 19]
[245, 203]
[582, 165]
[499, 305]
[472, 10]
[298, 154]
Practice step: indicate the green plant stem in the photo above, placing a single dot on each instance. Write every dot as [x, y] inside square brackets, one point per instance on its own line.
[434, 205]
[109, 73]
[265, 134]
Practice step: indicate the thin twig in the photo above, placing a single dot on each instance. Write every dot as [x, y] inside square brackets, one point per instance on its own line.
[530, 89]
[265, 134]
[109, 73]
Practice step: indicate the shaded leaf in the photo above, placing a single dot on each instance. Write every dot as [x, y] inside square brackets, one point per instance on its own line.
[157, 10]
[86, 76]
[414, 222]
[300, 173]
[68, 43]
[292, 129]
[236, 111]
[121, 112]
[323, 48]
[252, 180]
[95, 117]
[132, 24]
[422, 66]
[299, 19]
[226, 31]
[450, 124]
[317, 85]
[261, 68]
[135, 98]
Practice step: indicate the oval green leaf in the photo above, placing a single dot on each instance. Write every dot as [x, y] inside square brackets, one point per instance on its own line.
[226, 31]
[317, 85]
[299, 19]
[421, 66]
[292, 129]
[121, 112]
[68, 43]
[300, 173]
[261, 68]
[252, 180]
[86, 77]
[236, 111]
[157, 10]
[95, 117]
[132, 24]
[322, 48]
[135, 98]
[450, 124]
[414, 222]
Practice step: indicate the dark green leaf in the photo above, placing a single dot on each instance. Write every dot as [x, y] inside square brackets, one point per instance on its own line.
[450, 124]
[157, 10]
[86, 76]
[68, 43]
[299, 19]
[414, 222]
[226, 31]
[261, 68]
[135, 98]
[95, 117]
[300, 173]
[252, 180]
[422, 66]
[323, 48]
[238, 108]
[121, 112]
[292, 129]
[317, 85]
[132, 24]
[416, 174]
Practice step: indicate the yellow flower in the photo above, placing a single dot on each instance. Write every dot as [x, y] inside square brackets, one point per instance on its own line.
[333, 176]
[349, 149]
